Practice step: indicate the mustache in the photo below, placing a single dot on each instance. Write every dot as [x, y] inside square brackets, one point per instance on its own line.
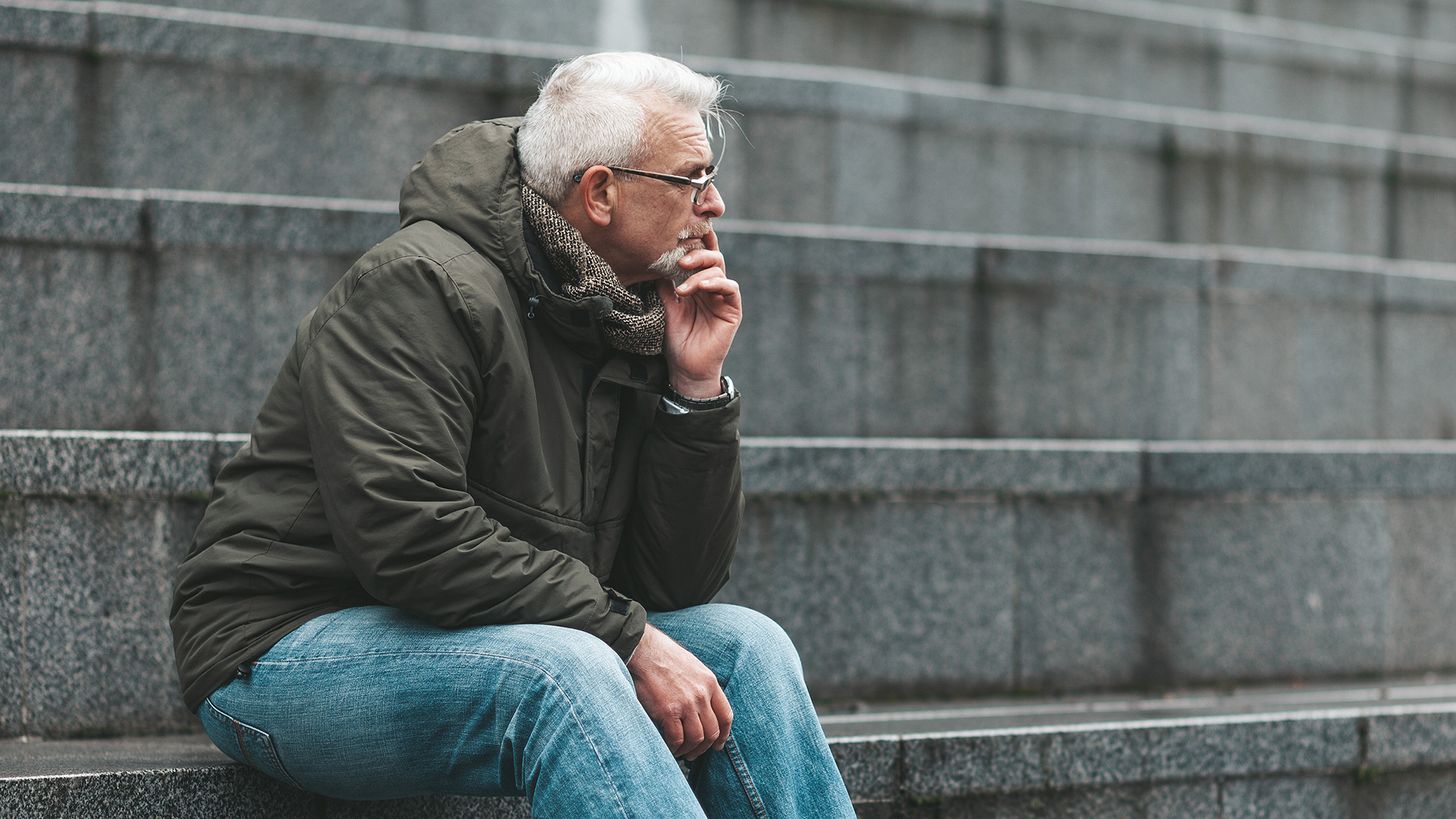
[697, 231]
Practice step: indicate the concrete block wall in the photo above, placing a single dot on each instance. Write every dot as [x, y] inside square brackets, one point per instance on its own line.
[1158, 149]
[1170, 578]
[1340, 761]
[92, 530]
[165, 310]
[122, 320]
[902, 569]
[969, 40]
[1434, 20]
[893, 151]
[738, 26]
[1195, 758]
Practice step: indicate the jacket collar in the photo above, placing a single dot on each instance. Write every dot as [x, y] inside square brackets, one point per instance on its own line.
[469, 182]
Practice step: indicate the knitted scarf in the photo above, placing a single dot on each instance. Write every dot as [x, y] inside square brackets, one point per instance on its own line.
[637, 321]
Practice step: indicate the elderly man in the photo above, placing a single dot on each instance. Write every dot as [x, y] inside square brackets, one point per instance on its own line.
[470, 544]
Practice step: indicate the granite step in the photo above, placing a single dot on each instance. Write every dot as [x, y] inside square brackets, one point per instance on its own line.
[1151, 51]
[173, 310]
[1143, 50]
[901, 568]
[125, 95]
[1354, 751]
[761, 29]
[1433, 19]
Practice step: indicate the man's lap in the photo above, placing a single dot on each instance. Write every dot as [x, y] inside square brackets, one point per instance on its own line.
[354, 695]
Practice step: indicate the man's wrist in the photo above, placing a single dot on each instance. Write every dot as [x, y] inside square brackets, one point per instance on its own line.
[696, 389]
[646, 635]
[676, 403]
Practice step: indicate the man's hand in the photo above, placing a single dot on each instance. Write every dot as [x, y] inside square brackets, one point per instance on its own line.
[681, 696]
[703, 315]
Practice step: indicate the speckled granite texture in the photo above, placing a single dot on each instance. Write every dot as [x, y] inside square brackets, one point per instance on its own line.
[77, 216]
[1259, 74]
[92, 527]
[870, 767]
[1421, 738]
[978, 566]
[293, 225]
[172, 310]
[1310, 764]
[13, 679]
[182, 794]
[1135, 753]
[98, 654]
[557, 21]
[371, 100]
[109, 464]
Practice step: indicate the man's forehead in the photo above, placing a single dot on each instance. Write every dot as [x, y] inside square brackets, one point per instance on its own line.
[677, 135]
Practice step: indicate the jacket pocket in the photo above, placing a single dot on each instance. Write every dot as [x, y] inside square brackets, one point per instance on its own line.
[243, 742]
[514, 513]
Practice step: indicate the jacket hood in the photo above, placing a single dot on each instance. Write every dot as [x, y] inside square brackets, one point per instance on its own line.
[469, 182]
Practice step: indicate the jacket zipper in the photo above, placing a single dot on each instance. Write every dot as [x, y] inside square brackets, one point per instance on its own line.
[533, 302]
[591, 379]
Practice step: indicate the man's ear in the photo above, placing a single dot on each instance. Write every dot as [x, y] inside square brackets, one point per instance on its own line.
[597, 194]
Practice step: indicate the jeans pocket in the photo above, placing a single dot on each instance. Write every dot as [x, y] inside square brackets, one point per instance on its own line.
[243, 742]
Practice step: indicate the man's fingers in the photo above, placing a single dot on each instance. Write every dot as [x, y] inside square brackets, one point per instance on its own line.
[710, 239]
[672, 734]
[724, 714]
[712, 728]
[717, 284]
[693, 734]
[681, 695]
[701, 260]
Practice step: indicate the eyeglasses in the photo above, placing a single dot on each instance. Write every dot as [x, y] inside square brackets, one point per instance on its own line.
[699, 185]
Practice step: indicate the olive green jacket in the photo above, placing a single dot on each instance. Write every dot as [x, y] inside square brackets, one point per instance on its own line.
[452, 437]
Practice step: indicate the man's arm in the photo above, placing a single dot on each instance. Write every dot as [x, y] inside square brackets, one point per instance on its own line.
[689, 501]
[684, 525]
[390, 386]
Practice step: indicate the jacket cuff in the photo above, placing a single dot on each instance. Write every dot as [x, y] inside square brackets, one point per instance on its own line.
[710, 427]
[634, 624]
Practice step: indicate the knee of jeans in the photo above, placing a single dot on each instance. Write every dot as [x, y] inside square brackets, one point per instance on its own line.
[758, 638]
[574, 661]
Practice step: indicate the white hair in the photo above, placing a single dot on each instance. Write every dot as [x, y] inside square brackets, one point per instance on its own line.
[591, 109]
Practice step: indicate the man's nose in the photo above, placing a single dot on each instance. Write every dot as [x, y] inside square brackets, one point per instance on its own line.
[710, 204]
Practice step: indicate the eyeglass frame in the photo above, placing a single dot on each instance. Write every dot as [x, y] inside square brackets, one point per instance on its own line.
[699, 185]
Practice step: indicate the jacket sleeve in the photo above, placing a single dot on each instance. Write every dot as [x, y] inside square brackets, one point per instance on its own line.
[689, 505]
[390, 384]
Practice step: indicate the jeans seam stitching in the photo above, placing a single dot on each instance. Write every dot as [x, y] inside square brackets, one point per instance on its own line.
[362, 655]
[268, 747]
[621, 806]
[745, 779]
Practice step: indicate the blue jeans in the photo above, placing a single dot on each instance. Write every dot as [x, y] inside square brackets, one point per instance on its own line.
[370, 703]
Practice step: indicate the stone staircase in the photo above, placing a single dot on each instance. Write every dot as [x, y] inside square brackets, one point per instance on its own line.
[1330, 752]
[1136, 498]
[818, 144]
[922, 333]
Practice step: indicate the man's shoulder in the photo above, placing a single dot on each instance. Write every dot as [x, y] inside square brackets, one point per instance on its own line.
[438, 251]
[425, 242]
[421, 268]
[466, 281]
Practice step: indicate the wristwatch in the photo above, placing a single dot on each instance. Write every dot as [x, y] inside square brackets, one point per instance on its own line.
[675, 403]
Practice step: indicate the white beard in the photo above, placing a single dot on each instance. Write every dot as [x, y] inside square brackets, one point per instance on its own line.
[666, 264]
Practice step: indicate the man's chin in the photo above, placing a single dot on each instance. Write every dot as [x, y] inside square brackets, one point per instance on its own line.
[666, 264]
